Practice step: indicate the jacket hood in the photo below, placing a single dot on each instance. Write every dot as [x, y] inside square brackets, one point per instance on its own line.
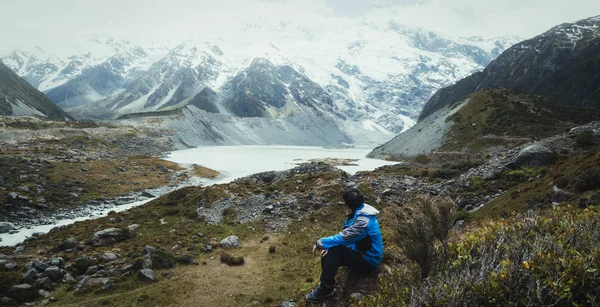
[367, 210]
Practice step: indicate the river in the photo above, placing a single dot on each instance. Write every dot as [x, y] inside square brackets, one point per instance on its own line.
[231, 162]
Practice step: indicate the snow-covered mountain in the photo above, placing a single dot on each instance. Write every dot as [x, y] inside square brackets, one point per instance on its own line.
[375, 73]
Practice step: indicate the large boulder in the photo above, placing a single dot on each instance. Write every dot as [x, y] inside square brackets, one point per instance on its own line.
[23, 293]
[110, 233]
[533, 155]
[231, 242]
[69, 243]
[54, 273]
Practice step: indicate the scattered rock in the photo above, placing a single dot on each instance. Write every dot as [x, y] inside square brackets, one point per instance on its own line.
[108, 257]
[272, 249]
[289, 303]
[54, 273]
[207, 248]
[43, 283]
[88, 283]
[91, 270]
[30, 276]
[43, 293]
[133, 227]
[231, 242]
[6, 227]
[7, 301]
[68, 278]
[146, 275]
[69, 243]
[149, 249]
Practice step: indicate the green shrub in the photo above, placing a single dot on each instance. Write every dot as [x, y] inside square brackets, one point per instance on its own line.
[526, 260]
[138, 263]
[422, 159]
[585, 180]
[162, 259]
[231, 259]
[9, 279]
[419, 225]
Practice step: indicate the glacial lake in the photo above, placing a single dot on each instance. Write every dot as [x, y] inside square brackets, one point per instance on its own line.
[232, 162]
[239, 161]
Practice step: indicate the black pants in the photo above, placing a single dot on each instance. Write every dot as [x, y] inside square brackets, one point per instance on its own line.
[342, 256]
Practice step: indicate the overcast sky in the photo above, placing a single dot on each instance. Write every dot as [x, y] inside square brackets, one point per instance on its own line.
[43, 22]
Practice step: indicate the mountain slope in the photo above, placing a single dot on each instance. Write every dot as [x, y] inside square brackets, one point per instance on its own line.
[562, 63]
[485, 122]
[18, 98]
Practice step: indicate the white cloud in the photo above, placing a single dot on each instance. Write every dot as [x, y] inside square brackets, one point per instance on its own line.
[59, 22]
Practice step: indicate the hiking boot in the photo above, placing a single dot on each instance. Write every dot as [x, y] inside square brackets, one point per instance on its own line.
[320, 294]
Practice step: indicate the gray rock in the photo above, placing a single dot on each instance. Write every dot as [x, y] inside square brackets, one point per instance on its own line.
[59, 262]
[23, 188]
[231, 242]
[266, 177]
[11, 267]
[54, 273]
[30, 276]
[6, 227]
[533, 155]
[269, 208]
[108, 257]
[91, 270]
[148, 249]
[147, 262]
[74, 196]
[133, 227]
[68, 244]
[7, 301]
[43, 293]
[43, 283]
[289, 303]
[146, 275]
[110, 233]
[68, 278]
[88, 283]
[22, 293]
[207, 248]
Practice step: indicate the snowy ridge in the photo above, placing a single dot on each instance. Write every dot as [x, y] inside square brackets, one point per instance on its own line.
[374, 72]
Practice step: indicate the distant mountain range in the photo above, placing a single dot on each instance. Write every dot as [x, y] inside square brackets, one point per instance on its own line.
[18, 98]
[562, 65]
[369, 81]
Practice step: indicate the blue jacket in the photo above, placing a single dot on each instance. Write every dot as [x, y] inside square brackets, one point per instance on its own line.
[362, 224]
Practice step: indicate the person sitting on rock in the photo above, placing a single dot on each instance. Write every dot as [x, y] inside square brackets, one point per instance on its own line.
[359, 246]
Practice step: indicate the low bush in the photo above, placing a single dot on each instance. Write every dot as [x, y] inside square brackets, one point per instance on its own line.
[231, 259]
[527, 260]
[162, 259]
[418, 227]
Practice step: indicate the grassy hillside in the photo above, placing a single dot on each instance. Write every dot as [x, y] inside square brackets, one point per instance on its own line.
[506, 117]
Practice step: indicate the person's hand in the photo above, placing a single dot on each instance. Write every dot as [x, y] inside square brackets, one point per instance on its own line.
[323, 253]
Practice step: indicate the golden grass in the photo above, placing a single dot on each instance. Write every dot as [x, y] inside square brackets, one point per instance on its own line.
[205, 172]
